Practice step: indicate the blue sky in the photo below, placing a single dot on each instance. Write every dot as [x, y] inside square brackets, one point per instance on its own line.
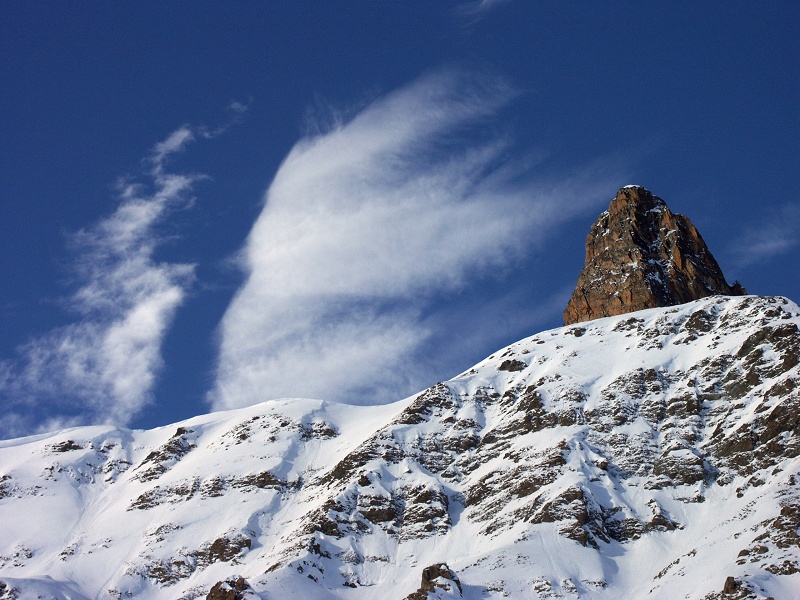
[208, 205]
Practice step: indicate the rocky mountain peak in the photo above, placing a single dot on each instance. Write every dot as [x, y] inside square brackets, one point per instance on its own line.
[639, 254]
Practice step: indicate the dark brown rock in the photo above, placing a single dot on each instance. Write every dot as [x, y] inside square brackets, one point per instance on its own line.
[436, 576]
[65, 446]
[512, 365]
[639, 255]
[232, 589]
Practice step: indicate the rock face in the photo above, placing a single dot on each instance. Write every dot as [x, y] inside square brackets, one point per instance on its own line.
[639, 255]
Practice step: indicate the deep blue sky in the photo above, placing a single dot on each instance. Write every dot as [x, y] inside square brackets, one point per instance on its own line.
[700, 104]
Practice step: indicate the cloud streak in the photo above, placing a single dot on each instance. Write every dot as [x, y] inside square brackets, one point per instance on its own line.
[103, 366]
[365, 229]
[475, 10]
[774, 236]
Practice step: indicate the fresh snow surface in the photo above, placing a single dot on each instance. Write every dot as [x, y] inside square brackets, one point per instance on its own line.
[322, 500]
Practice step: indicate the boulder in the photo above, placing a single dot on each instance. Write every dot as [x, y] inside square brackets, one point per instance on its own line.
[234, 588]
[440, 579]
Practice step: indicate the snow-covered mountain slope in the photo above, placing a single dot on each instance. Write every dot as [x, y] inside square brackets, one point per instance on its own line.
[648, 455]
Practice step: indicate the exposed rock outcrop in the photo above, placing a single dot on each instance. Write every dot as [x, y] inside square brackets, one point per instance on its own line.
[639, 255]
[438, 578]
[235, 588]
[7, 592]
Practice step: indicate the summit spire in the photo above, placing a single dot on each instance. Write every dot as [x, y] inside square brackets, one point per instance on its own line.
[639, 255]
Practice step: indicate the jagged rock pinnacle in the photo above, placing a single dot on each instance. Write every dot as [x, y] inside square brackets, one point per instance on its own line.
[639, 255]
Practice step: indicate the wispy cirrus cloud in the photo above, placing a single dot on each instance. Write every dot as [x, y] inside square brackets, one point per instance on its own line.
[236, 111]
[368, 230]
[103, 366]
[474, 10]
[775, 235]
[484, 5]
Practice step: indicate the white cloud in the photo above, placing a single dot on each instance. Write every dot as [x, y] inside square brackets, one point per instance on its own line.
[474, 10]
[366, 228]
[175, 142]
[776, 235]
[103, 367]
[236, 111]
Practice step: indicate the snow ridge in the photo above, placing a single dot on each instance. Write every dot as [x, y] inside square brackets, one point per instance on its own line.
[647, 455]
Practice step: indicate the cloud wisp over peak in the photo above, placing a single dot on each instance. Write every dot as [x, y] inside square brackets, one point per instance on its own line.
[103, 366]
[366, 228]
